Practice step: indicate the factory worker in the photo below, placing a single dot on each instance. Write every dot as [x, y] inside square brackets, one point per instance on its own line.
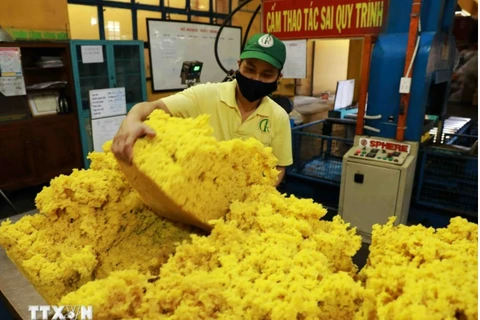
[237, 109]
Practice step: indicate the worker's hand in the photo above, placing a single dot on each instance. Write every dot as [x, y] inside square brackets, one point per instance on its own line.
[129, 132]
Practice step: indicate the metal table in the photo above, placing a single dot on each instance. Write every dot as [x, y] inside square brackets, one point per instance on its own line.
[18, 292]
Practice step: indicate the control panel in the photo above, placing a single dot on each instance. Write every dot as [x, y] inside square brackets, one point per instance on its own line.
[377, 182]
[385, 151]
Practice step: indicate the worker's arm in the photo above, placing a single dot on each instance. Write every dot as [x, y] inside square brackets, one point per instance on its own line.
[183, 104]
[280, 175]
[282, 144]
[133, 128]
[141, 111]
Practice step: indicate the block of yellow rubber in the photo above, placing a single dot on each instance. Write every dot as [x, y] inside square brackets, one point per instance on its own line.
[185, 175]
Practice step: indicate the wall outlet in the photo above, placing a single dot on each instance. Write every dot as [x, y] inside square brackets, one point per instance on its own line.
[405, 84]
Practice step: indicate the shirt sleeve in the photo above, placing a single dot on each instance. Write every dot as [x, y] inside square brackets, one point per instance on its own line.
[282, 141]
[183, 104]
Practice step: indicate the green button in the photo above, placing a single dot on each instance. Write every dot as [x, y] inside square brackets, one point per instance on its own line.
[379, 157]
[390, 159]
[363, 152]
[385, 158]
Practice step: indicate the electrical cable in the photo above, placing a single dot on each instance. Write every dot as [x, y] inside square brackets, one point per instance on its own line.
[416, 48]
[245, 37]
[215, 48]
[371, 128]
[9, 202]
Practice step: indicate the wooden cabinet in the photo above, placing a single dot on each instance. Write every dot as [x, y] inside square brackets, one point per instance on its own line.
[35, 154]
[54, 151]
[16, 161]
[33, 150]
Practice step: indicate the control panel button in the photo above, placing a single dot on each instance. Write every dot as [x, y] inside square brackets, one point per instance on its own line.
[366, 152]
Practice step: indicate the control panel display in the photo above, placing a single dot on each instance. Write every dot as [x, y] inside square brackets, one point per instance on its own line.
[383, 151]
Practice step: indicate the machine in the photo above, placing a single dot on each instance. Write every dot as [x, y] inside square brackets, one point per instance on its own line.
[407, 64]
[190, 73]
[411, 67]
[377, 181]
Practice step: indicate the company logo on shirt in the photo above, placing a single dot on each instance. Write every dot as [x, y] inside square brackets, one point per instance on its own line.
[264, 125]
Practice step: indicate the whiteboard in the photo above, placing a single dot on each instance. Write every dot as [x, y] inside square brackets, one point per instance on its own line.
[107, 102]
[296, 63]
[173, 42]
[104, 130]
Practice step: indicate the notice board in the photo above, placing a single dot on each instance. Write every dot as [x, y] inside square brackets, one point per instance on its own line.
[173, 42]
[108, 108]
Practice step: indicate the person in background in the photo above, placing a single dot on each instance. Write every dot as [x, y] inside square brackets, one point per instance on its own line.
[238, 109]
[464, 86]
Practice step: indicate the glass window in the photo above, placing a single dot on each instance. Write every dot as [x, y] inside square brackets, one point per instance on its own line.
[172, 16]
[92, 76]
[235, 4]
[142, 16]
[201, 19]
[200, 5]
[83, 21]
[120, 0]
[150, 2]
[222, 6]
[128, 72]
[118, 24]
[176, 3]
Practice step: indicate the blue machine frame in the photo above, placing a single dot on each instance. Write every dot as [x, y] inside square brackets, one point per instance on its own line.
[432, 68]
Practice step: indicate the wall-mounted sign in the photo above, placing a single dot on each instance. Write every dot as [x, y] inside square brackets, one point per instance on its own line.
[308, 19]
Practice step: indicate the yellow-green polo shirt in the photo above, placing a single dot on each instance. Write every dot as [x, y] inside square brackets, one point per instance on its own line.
[269, 123]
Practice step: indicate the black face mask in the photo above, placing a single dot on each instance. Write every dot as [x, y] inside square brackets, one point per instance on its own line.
[254, 90]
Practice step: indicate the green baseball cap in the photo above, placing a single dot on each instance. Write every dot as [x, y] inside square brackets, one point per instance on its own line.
[266, 47]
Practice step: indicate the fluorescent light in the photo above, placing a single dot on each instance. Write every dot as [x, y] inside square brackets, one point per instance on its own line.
[93, 21]
[463, 13]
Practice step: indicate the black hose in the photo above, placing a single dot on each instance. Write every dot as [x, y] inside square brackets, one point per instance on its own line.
[245, 37]
[220, 31]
